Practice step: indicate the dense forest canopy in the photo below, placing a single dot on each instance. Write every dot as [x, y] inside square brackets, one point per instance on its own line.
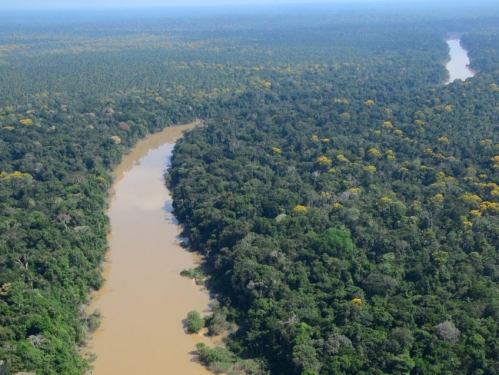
[345, 199]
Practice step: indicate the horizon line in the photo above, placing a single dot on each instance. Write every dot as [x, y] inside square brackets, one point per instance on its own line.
[238, 4]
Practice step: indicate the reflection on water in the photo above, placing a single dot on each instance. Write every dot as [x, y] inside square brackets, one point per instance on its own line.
[145, 300]
[459, 61]
[168, 209]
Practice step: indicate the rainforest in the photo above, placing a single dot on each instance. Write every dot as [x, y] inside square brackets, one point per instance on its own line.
[342, 194]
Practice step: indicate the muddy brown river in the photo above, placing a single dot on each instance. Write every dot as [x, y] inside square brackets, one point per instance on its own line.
[144, 300]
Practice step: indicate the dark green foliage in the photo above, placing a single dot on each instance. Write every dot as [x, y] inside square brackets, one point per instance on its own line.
[380, 273]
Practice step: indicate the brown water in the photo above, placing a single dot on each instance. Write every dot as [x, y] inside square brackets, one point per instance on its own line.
[459, 61]
[145, 300]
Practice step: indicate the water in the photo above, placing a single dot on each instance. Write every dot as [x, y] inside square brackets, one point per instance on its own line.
[459, 61]
[145, 301]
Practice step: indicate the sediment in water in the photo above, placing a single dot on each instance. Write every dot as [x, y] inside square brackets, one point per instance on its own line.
[144, 301]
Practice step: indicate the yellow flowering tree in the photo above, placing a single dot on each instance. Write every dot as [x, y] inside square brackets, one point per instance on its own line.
[355, 191]
[300, 208]
[444, 140]
[485, 142]
[489, 206]
[341, 158]
[26, 121]
[15, 175]
[437, 199]
[324, 161]
[384, 203]
[466, 223]
[357, 302]
[470, 199]
[116, 139]
[416, 205]
[341, 100]
[374, 153]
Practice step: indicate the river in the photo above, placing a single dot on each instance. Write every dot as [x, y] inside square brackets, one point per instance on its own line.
[144, 300]
[459, 61]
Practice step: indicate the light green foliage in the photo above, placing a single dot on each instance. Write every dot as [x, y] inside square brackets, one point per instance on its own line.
[194, 322]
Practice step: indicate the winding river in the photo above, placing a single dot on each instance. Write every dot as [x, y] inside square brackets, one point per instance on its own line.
[459, 61]
[144, 300]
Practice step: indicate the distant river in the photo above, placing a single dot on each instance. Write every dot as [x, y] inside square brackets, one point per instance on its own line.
[144, 299]
[459, 61]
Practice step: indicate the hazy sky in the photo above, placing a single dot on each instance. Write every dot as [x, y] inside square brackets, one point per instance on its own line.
[155, 3]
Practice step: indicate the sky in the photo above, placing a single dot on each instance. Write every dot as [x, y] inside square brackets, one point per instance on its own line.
[27, 4]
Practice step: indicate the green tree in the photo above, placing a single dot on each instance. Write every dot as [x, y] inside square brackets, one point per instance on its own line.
[194, 322]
